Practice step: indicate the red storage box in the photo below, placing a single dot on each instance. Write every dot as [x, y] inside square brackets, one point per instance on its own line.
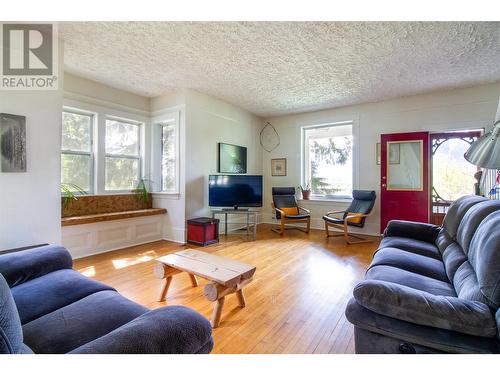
[203, 231]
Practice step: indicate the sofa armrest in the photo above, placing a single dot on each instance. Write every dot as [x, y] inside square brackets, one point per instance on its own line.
[419, 307]
[406, 332]
[167, 330]
[411, 229]
[26, 265]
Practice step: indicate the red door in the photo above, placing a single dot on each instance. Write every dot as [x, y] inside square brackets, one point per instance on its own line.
[404, 185]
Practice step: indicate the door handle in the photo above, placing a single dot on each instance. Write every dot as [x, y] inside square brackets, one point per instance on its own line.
[384, 185]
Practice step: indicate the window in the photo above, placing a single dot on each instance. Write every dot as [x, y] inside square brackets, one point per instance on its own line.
[123, 156]
[327, 160]
[76, 151]
[168, 157]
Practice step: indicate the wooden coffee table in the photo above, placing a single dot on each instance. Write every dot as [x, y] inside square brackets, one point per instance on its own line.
[227, 276]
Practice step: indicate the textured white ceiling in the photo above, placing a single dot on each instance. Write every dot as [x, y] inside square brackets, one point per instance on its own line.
[272, 68]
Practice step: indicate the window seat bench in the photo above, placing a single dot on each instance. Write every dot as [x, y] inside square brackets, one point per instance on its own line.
[95, 218]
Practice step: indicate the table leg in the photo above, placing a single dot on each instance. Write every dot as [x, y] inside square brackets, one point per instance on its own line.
[254, 226]
[216, 314]
[248, 223]
[164, 289]
[194, 280]
[241, 298]
[225, 224]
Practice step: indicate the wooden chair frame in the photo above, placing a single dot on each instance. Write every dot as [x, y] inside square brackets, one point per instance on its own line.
[345, 227]
[284, 220]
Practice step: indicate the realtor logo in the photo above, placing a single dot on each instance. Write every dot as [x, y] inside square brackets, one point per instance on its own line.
[28, 56]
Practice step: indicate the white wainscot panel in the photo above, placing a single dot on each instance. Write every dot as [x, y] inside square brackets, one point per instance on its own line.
[87, 239]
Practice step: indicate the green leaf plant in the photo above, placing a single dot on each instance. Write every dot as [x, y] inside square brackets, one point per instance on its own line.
[69, 192]
[141, 191]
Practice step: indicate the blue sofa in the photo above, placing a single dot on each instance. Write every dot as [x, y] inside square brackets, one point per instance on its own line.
[47, 307]
[433, 289]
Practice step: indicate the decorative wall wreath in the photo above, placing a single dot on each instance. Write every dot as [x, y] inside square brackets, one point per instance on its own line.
[269, 137]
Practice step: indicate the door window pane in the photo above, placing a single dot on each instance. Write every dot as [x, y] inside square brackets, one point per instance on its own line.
[121, 173]
[122, 138]
[76, 169]
[452, 175]
[76, 132]
[404, 166]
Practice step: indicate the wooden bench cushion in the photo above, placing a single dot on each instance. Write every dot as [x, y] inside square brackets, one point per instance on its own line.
[87, 219]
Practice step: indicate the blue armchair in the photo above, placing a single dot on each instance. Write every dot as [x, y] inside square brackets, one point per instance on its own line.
[47, 307]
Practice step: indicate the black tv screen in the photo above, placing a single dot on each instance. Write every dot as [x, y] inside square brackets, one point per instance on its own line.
[235, 191]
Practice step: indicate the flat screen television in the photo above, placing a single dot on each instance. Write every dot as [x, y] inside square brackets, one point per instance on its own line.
[235, 191]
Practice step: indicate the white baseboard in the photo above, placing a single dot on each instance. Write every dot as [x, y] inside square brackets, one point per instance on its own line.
[173, 234]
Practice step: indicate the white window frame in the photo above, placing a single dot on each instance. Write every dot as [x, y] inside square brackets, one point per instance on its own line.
[122, 156]
[303, 157]
[90, 153]
[157, 123]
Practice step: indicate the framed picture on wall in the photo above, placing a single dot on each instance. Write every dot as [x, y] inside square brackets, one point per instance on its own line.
[278, 167]
[232, 158]
[12, 143]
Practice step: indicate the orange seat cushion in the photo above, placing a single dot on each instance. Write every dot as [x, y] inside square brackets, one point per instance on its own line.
[290, 210]
[355, 220]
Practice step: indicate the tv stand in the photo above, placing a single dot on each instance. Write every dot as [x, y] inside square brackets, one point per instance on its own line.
[235, 208]
[238, 211]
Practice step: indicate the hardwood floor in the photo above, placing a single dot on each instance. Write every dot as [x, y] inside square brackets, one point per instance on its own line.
[295, 303]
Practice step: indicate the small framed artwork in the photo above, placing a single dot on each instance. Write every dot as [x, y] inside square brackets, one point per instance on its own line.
[278, 167]
[12, 143]
[378, 152]
[394, 150]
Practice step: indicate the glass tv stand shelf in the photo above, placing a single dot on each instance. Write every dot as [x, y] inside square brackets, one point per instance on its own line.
[251, 219]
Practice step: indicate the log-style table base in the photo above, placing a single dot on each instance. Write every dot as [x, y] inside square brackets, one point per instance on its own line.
[226, 276]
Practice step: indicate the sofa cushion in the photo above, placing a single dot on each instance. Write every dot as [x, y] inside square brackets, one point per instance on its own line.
[484, 257]
[453, 258]
[76, 324]
[11, 334]
[471, 221]
[457, 211]
[410, 262]
[21, 266]
[412, 229]
[414, 246]
[411, 279]
[430, 337]
[50, 292]
[466, 284]
[443, 240]
[170, 329]
[401, 302]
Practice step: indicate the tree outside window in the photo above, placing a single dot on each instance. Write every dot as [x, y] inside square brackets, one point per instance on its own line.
[327, 151]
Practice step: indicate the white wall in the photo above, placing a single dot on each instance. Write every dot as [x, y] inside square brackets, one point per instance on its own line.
[30, 203]
[205, 121]
[473, 107]
[88, 91]
[208, 122]
[175, 221]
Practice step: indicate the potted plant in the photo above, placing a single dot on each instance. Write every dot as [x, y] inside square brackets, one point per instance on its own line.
[141, 191]
[69, 193]
[306, 191]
